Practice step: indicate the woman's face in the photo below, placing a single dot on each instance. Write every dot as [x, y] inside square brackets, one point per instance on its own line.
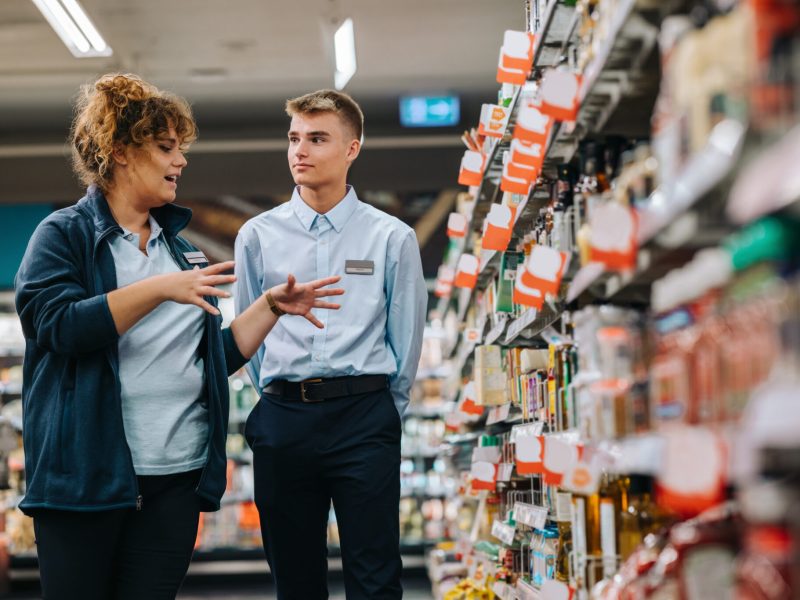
[152, 171]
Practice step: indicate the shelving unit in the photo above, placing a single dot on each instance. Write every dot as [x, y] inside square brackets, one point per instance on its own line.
[590, 376]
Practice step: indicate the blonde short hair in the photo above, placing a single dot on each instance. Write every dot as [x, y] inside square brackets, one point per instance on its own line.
[331, 101]
[122, 108]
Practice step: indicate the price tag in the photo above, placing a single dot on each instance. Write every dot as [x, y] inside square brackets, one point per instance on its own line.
[489, 454]
[693, 472]
[544, 269]
[613, 236]
[535, 429]
[525, 591]
[501, 590]
[484, 476]
[556, 590]
[466, 272]
[504, 471]
[530, 515]
[498, 414]
[456, 228]
[560, 455]
[529, 449]
[584, 476]
[503, 532]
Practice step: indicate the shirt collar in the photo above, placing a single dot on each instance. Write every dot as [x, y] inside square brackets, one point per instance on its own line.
[337, 216]
[155, 229]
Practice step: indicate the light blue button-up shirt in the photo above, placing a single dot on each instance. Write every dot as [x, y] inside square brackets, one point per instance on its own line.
[379, 328]
[160, 369]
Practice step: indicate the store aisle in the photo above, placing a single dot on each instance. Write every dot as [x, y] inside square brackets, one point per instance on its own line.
[417, 588]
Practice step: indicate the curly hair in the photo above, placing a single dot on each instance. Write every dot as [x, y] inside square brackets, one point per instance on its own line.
[122, 108]
[329, 101]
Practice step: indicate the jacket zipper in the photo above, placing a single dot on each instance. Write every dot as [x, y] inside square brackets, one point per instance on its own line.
[98, 241]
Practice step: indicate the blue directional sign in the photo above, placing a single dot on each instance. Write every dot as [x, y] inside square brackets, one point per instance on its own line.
[429, 111]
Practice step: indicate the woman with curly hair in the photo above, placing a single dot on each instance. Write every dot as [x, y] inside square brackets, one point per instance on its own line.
[125, 394]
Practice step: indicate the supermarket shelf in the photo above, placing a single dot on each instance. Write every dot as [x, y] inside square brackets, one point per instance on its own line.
[10, 389]
[429, 412]
[531, 323]
[462, 438]
[496, 332]
[425, 454]
[557, 28]
[704, 172]
[234, 561]
[750, 200]
[615, 74]
[424, 495]
[525, 591]
[441, 372]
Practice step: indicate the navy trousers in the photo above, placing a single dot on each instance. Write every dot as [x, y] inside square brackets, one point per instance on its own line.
[344, 450]
[121, 554]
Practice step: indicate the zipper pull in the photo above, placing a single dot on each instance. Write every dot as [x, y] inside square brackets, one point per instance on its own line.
[139, 502]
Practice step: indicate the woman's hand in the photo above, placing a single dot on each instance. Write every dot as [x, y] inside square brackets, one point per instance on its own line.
[299, 298]
[189, 287]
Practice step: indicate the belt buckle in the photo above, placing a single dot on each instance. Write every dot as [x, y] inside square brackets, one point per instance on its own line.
[303, 391]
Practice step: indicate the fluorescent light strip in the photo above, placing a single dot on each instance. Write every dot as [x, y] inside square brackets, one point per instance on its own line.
[75, 29]
[87, 27]
[344, 47]
[63, 25]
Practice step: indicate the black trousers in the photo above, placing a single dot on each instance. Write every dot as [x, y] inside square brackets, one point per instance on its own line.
[121, 554]
[345, 450]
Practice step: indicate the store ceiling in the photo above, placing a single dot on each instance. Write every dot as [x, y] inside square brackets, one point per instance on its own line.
[237, 62]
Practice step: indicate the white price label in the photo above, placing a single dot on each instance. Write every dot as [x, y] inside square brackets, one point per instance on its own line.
[504, 471]
[498, 414]
[555, 590]
[530, 515]
[503, 532]
[490, 454]
[503, 591]
[531, 429]
[525, 591]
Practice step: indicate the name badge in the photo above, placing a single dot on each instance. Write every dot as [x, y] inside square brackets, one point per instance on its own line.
[359, 267]
[194, 258]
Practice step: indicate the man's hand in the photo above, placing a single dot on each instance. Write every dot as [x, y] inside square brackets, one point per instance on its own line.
[299, 298]
[189, 287]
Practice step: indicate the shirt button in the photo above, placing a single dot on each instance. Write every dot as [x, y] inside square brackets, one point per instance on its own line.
[316, 357]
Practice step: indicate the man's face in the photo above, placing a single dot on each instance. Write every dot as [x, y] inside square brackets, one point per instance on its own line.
[321, 149]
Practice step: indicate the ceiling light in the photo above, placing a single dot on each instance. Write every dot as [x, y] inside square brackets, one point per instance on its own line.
[74, 27]
[344, 47]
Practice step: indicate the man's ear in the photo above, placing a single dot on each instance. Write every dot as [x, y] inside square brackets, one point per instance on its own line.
[119, 153]
[353, 150]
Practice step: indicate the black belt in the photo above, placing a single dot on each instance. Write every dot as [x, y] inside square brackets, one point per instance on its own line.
[317, 390]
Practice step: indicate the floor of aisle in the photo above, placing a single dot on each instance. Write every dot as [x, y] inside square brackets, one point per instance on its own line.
[415, 587]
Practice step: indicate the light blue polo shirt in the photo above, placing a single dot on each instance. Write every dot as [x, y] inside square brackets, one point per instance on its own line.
[161, 370]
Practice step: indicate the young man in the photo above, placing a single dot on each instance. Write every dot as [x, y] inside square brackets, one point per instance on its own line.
[327, 426]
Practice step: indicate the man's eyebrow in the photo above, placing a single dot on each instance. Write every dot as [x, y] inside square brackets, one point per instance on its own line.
[170, 140]
[310, 134]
